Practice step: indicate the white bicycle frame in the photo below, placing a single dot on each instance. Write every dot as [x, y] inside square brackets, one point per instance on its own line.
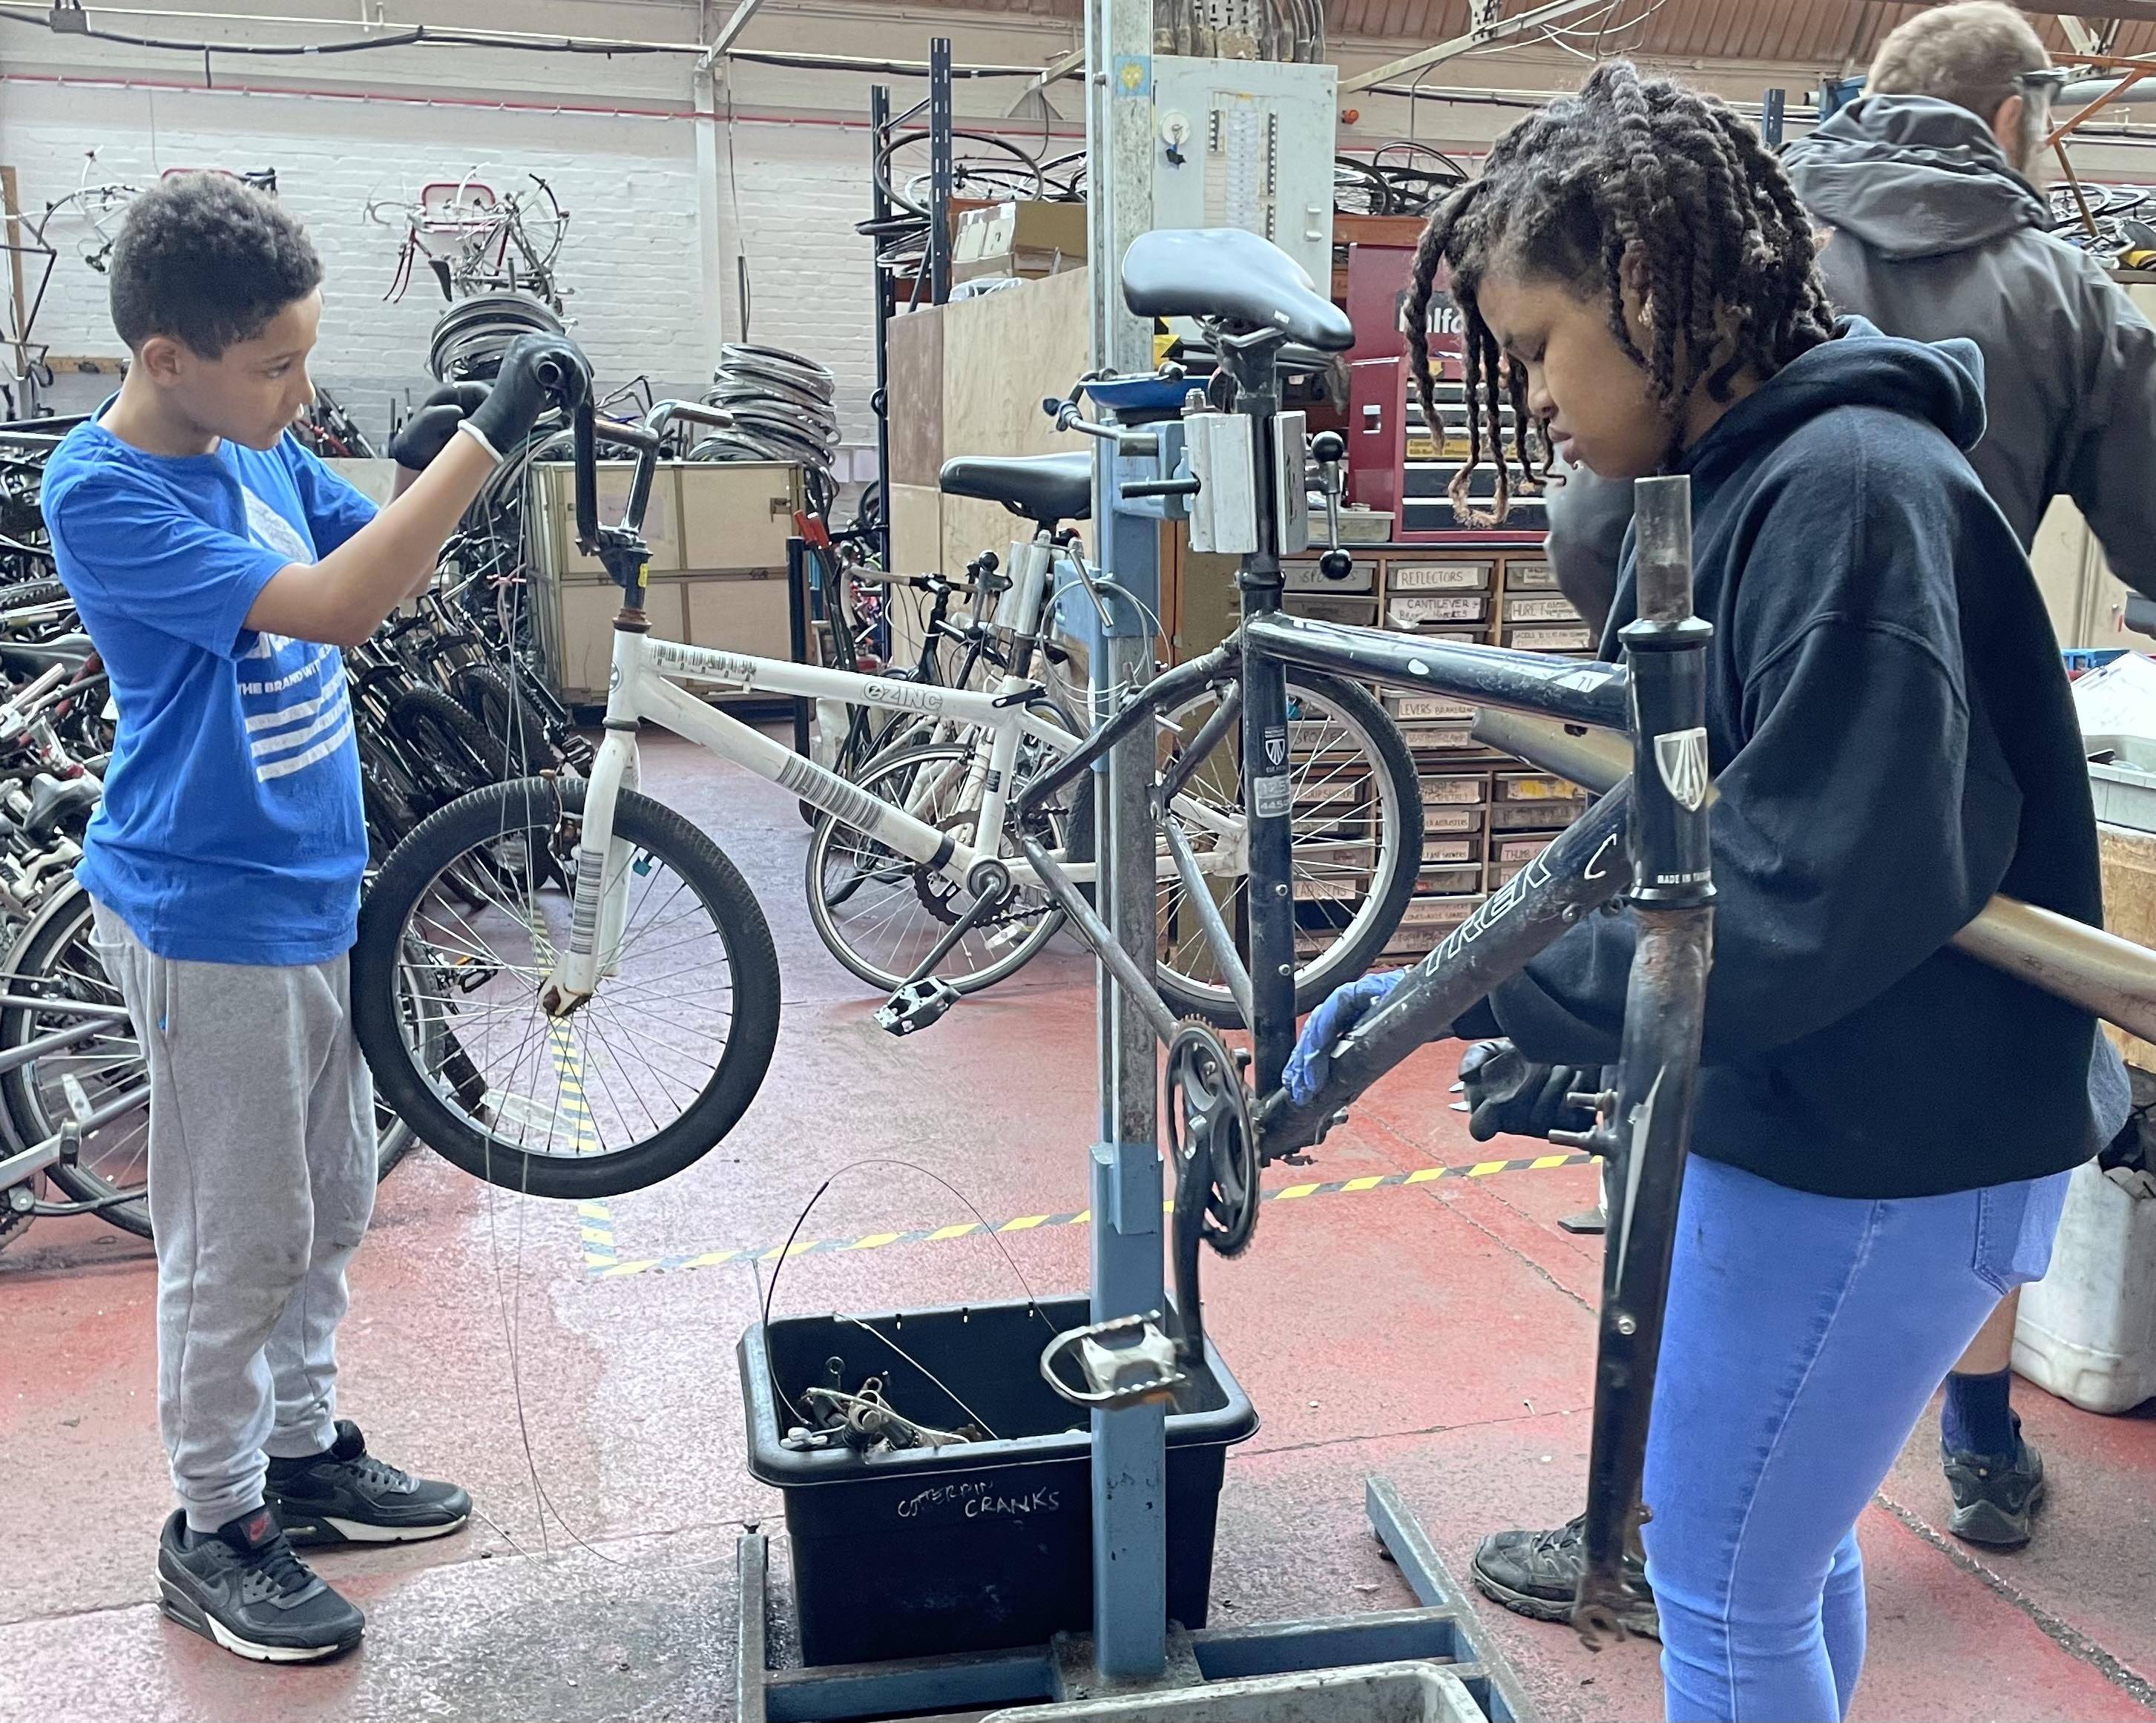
[643, 689]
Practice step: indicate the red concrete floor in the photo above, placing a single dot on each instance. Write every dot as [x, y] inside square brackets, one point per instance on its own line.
[1438, 1334]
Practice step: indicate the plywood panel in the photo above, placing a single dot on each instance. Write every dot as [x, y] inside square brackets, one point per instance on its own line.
[916, 395]
[2129, 911]
[917, 529]
[1001, 354]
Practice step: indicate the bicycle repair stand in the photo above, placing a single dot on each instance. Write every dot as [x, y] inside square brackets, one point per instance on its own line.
[1429, 1662]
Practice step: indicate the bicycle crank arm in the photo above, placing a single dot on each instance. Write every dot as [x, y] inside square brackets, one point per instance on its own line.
[920, 1000]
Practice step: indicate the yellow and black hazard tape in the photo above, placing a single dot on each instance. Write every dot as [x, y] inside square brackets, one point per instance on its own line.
[603, 1261]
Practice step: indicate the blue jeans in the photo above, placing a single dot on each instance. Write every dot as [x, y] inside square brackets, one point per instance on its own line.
[1804, 1337]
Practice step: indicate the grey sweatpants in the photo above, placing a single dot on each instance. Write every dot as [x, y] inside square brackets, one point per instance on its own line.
[261, 1182]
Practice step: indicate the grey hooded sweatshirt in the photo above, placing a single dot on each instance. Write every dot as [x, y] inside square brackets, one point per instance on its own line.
[1930, 235]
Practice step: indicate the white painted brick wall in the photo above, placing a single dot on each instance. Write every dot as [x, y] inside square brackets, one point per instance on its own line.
[802, 187]
[634, 257]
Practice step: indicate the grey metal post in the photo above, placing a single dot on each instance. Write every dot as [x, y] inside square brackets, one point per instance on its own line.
[941, 179]
[1130, 1455]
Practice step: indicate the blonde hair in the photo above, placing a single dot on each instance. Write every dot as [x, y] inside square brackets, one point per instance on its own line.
[1969, 55]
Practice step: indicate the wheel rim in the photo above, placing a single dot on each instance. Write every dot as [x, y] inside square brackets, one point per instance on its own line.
[881, 913]
[115, 1155]
[605, 1079]
[1346, 838]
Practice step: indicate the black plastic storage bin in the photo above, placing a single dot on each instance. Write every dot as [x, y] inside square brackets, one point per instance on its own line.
[968, 1547]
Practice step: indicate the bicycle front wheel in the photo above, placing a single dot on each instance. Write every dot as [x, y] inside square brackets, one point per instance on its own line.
[1357, 819]
[633, 1084]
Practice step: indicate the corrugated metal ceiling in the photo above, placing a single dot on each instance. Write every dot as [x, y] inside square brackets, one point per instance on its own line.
[1827, 32]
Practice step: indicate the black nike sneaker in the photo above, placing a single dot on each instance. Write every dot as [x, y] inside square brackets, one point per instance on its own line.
[1537, 1574]
[242, 1587]
[348, 1496]
[1995, 1493]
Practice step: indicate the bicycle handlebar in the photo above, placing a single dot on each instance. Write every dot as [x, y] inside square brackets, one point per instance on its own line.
[588, 430]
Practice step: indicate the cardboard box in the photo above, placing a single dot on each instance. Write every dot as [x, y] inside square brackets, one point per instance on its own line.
[1025, 239]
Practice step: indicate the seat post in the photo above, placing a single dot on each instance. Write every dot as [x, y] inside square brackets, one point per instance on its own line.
[1268, 785]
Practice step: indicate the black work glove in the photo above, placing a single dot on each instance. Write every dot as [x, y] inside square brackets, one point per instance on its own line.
[523, 388]
[1510, 1094]
[427, 433]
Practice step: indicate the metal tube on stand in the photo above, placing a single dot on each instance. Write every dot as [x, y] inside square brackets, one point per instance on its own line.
[1646, 1132]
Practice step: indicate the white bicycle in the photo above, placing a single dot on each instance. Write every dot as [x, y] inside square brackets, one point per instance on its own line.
[606, 1014]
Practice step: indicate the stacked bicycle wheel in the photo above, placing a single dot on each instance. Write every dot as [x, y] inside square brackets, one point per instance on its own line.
[781, 405]
[470, 337]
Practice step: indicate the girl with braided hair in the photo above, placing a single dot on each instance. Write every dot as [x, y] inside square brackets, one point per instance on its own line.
[1883, 1127]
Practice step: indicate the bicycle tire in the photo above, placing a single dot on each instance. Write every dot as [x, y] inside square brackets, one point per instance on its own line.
[21, 595]
[507, 715]
[1387, 901]
[880, 169]
[430, 721]
[31, 1121]
[535, 808]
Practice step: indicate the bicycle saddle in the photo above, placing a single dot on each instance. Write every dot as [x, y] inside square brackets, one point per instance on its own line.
[25, 658]
[53, 799]
[1225, 275]
[1047, 489]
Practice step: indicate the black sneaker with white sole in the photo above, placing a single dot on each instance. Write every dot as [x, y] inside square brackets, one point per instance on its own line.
[345, 1495]
[242, 1587]
[1536, 1573]
[1995, 1493]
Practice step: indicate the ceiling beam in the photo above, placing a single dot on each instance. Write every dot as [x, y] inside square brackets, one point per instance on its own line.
[1488, 35]
[2136, 12]
[1068, 65]
[731, 29]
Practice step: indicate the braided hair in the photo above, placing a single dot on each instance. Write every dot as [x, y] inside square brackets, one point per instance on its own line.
[1628, 165]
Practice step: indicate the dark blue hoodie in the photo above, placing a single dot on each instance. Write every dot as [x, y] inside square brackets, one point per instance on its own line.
[1894, 743]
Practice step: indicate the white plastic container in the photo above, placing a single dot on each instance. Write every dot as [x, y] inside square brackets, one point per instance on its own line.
[2087, 1330]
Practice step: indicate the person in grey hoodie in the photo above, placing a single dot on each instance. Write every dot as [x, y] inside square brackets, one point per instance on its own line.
[1933, 229]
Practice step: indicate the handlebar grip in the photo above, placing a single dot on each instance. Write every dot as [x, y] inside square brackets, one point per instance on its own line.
[585, 438]
[1158, 487]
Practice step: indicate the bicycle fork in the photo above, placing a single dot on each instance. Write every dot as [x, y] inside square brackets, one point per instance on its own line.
[600, 899]
[1643, 1128]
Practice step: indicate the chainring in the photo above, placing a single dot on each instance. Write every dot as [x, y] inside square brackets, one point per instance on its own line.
[1208, 1113]
[13, 1222]
[939, 895]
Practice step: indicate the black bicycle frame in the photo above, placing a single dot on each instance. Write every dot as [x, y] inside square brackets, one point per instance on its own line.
[1645, 842]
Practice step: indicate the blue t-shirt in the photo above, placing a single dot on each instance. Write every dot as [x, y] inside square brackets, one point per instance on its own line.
[231, 830]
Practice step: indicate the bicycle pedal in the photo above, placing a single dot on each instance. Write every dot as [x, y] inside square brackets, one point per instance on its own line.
[918, 1005]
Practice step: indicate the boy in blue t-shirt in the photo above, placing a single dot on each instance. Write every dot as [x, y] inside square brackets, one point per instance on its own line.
[218, 566]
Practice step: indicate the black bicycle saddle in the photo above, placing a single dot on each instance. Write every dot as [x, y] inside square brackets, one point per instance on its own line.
[1225, 275]
[1049, 489]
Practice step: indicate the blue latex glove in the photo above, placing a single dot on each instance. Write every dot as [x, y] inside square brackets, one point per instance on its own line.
[1339, 1011]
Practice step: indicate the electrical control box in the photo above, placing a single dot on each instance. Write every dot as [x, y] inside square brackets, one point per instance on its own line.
[1247, 144]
